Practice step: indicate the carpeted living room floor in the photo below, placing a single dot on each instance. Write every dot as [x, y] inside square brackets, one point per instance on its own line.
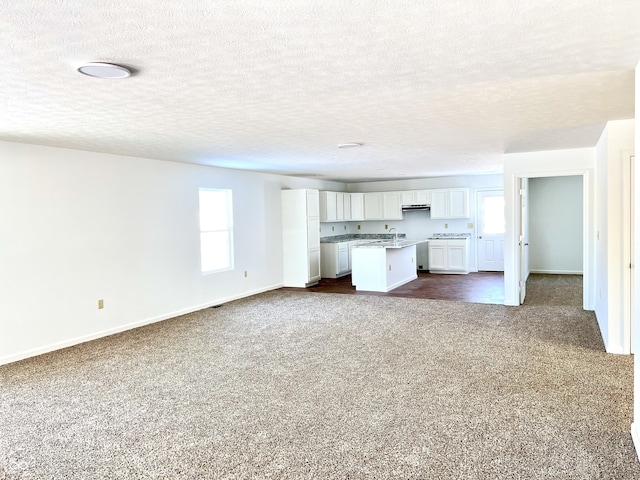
[291, 384]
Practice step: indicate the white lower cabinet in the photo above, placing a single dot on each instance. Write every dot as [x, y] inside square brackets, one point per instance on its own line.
[335, 259]
[449, 256]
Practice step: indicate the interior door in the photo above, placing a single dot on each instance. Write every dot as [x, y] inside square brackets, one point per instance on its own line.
[524, 236]
[628, 235]
[490, 246]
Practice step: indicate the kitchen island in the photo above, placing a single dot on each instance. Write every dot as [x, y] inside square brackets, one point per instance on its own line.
[384, 265]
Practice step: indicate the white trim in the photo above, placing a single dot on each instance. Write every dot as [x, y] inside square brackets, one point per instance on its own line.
[512, 193]
[557, 272]
[616, 349]
[112, 331]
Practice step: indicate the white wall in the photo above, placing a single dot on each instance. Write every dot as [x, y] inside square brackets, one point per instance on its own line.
[79, 226]
[578, 161]
[612, 250]
[555, 225]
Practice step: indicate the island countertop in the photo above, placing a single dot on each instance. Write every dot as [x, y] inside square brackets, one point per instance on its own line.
[388, 243]
[350, 237]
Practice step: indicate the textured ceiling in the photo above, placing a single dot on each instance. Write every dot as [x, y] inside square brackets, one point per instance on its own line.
[431, 88]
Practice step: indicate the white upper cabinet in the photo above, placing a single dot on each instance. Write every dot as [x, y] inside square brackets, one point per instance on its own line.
[328, 204]
[335, 206]
[346, 206]
[450, 203]
[357, 206]
[383, 206]
[373, 206]
[391, 206]
[458, 203]
[416, 197]
[342, 206]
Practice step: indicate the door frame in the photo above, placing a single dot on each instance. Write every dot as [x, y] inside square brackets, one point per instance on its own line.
[512, 253]
[480, 191]
[628, 239]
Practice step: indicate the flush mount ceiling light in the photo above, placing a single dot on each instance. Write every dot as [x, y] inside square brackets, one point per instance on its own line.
[104, 70]
[349, 145]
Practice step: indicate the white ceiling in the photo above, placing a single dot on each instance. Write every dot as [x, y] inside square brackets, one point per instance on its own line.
[431, 88]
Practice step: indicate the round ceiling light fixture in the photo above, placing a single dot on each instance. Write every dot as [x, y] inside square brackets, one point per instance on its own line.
[350, 145]
[104, 70]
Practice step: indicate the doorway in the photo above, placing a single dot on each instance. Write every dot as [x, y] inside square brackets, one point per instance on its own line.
[491, 222]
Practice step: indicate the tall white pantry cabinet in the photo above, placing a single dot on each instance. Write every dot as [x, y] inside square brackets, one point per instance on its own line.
[301, 237]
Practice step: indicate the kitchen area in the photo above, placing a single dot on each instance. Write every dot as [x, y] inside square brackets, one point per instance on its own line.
[382, 239]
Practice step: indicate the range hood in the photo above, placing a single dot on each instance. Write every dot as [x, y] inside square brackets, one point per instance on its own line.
[410, 208]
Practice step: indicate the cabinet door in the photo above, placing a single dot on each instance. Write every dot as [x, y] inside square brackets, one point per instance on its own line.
[457, 256]
[314, 265]
[459, 203]
[328, 206]
[357, 206]
[372, 206]
[392, 208]
[313, 233]
[422, 197]
[437, 255]
[346, 207]
[408, 198]
[439, 204]
[343, 258]
[313, 203]
[339, 206]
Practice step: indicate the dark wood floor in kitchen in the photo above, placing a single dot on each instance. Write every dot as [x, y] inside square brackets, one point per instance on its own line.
[480, 287]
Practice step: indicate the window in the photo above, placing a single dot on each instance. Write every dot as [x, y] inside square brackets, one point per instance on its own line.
[493, 215]
[216, 230]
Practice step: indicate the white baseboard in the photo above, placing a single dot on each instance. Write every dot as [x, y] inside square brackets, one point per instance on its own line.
[635, 435]
[558, 272]
[130, 326]
[616, 349]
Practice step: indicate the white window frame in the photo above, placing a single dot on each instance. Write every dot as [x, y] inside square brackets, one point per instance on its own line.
[227, 227]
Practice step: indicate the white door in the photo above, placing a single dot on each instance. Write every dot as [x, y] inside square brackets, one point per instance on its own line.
[628, 234]
[524, 236]
[490, 244]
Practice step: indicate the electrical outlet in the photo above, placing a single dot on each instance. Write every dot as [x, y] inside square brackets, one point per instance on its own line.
[345, 227]
[358, 227]
[100, 304]
[389, 267]
[386, 227]
[446, 225]
[245, 274]
[469, 225]
[333, 229]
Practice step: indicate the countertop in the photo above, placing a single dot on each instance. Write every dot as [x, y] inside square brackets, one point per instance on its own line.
[361, 236]
[391, 243]
[450, 236]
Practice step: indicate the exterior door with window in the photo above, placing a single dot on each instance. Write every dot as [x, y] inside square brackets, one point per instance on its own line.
[491, 230]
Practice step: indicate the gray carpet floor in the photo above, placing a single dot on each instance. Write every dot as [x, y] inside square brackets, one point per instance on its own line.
[310, 385]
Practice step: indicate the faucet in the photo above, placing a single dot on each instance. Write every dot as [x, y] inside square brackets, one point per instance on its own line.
[396, 234]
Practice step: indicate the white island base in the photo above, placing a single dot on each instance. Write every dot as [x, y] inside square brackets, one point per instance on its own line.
[380, 269]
